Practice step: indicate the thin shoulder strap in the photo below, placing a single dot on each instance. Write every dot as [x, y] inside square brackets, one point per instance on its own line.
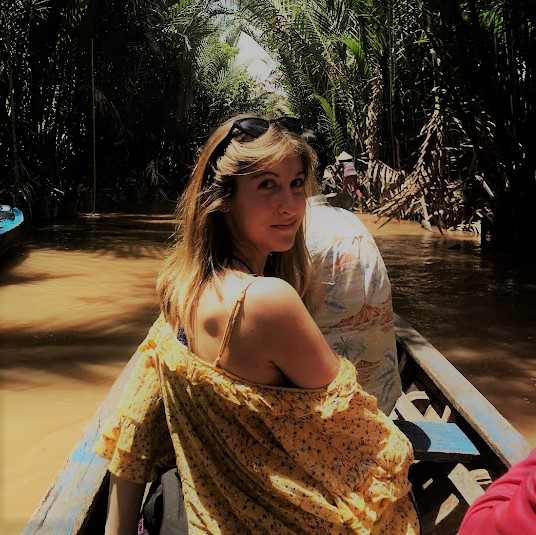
[231, 322]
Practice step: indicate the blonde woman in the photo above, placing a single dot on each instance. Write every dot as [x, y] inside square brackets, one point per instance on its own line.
[270, 430]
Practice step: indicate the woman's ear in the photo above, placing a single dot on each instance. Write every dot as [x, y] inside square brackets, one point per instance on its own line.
[224, 208]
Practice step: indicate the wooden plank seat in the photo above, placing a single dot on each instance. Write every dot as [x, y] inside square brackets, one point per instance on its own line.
[438, 441]
[433, 437]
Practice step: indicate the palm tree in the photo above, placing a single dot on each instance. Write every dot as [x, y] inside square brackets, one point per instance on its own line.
[487, 70]
[348, 66]
[146, 78]
[435, 96]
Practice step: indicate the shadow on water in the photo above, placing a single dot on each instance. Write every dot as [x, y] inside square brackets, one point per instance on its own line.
[123, 235]
[84, 292]
[62, 351]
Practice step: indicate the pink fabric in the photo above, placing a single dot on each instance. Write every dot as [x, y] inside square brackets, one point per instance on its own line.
[349, 183]
[349, 169]
[508, 507]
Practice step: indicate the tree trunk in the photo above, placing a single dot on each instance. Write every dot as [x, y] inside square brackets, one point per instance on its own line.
[13, 109]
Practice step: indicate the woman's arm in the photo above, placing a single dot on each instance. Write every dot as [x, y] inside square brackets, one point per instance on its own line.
[124, 504]
[135, 439]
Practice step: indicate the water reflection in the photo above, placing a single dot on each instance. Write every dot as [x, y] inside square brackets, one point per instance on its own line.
[123, 235]
[478, 310]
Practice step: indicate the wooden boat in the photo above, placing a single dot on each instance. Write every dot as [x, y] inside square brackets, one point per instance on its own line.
[460, 440]
[11, 220]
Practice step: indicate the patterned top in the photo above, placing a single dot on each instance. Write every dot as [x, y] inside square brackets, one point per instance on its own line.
[257, 459]
[350, 297]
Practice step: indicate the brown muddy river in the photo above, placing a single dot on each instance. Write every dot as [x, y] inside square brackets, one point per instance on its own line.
[77, 299]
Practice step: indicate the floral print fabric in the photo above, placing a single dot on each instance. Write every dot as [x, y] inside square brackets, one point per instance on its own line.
[260, 459]
[350, 297]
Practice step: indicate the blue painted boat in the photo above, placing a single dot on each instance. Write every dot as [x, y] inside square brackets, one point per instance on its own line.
[11, 220]
[461, 445]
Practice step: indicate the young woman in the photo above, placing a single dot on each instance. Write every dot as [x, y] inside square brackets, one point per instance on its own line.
[270, 430]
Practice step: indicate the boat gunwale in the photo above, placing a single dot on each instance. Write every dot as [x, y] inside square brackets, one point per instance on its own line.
[483, 418]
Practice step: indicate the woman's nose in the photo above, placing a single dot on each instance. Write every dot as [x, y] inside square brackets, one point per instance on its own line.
[288, 202]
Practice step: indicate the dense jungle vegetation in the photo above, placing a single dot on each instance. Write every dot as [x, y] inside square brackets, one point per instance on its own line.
[435, 100]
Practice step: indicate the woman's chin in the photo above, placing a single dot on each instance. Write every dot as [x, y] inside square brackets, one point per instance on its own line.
[283, 247]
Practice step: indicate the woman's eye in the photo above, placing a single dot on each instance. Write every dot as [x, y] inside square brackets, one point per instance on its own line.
[298, 183]
[267, 184]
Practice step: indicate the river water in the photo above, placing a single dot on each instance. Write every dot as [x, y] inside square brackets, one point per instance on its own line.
[78, 298]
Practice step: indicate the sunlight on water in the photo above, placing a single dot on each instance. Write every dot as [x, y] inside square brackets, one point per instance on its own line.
[77, 300]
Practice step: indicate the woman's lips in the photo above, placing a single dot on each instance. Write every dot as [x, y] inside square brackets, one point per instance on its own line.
[285, 226]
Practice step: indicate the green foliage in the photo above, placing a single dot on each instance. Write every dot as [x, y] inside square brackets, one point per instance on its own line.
[163, 76]
[332, 49]
[433, 98]
[336, 135]
[378, 78]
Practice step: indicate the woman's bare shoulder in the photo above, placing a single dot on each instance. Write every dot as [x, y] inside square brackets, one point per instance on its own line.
[269, 295]
[272, 287]
[283, 332]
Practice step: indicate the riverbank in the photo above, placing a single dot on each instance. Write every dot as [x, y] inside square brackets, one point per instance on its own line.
[79, 298]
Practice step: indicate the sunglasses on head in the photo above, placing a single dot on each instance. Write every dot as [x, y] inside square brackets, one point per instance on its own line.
[254, 127]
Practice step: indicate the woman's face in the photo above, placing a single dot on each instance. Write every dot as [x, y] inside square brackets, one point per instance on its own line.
[267, 208]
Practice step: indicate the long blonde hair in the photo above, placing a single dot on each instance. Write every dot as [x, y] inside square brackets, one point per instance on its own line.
[203, 244]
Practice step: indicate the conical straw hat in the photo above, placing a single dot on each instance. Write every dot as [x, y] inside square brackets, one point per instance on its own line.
[344, 156]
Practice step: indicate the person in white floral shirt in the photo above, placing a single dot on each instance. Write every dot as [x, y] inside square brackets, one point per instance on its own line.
[350, 297]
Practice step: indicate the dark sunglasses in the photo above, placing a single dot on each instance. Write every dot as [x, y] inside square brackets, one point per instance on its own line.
[254, 127]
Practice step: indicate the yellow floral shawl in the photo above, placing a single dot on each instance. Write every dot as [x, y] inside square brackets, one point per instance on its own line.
[260, 459]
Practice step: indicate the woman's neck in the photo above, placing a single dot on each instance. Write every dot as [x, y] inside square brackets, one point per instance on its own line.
[248, 263]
